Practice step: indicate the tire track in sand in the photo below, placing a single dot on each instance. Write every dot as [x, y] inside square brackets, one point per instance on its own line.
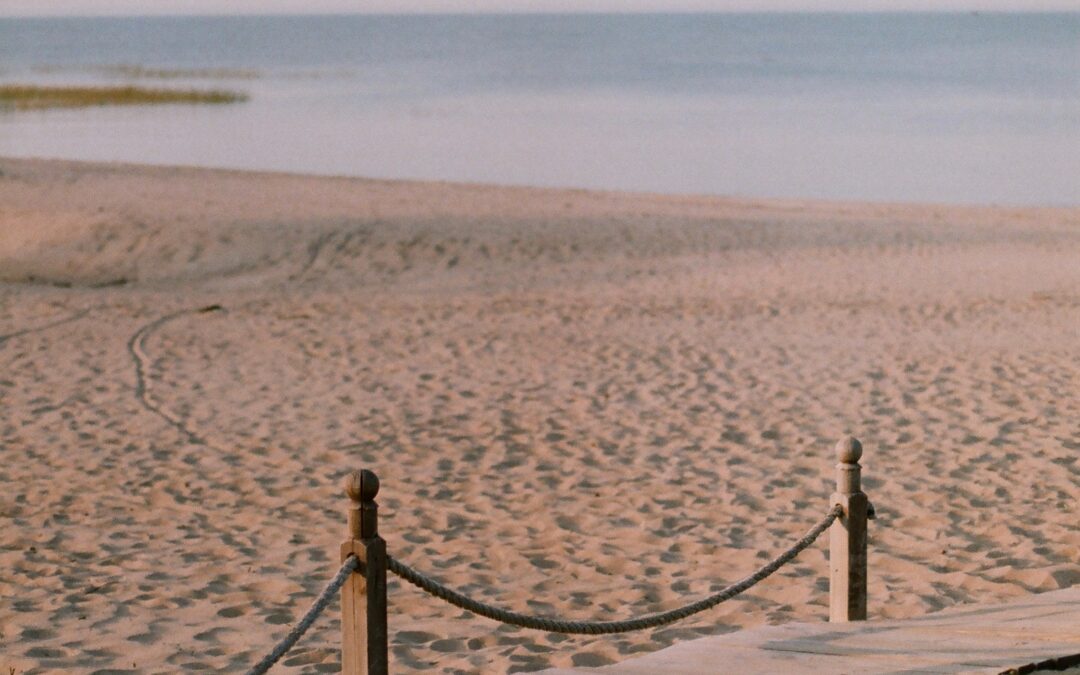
[36, 329]
[137, 349]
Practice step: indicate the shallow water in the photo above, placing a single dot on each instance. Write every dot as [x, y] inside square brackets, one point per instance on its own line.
[907, 107]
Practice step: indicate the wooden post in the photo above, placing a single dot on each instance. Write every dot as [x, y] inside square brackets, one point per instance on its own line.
[847, 538]
[363, 597]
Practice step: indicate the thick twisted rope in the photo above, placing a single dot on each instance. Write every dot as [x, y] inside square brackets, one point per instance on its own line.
[351, 565]
[554, 625]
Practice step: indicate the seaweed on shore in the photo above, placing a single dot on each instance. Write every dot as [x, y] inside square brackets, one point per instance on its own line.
[35, 97]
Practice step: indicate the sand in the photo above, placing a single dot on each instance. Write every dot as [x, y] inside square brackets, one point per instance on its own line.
[587, 404]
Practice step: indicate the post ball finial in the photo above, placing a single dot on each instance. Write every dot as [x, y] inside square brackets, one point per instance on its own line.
[849, 450]
[362, 486]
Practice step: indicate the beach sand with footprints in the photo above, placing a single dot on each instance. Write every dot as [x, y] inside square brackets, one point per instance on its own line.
[584, 404]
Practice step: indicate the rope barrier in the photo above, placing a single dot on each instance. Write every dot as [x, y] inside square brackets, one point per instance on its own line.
[351, 565]
[555, 625]
[550, 624]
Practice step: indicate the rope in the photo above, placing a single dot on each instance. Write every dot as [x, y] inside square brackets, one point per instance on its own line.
[554, 625]
[282, 648]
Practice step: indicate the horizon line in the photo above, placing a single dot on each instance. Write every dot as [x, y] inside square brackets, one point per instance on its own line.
[530, 12]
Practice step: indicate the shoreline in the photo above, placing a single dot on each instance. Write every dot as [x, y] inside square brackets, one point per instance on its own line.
[778, 201]
[534, 226]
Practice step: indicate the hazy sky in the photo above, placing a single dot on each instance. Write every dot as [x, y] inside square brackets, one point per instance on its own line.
[81, 7]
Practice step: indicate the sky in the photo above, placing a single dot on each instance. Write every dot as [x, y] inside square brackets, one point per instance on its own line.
[132, 7]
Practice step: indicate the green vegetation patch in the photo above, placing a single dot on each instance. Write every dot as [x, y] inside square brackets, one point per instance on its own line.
[144, 72]
[178, 73]
[31, 97]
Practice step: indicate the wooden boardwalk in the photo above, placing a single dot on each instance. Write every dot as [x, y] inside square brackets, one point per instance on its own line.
[967, 639]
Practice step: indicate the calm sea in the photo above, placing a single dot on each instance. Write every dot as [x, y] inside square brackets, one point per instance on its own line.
[980, 108]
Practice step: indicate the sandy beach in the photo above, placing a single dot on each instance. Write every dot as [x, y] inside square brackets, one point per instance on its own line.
[586, 404]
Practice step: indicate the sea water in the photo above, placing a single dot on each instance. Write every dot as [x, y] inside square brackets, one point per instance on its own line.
[969, 108]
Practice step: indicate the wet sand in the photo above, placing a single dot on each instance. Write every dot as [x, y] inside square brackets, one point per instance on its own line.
[594, 405]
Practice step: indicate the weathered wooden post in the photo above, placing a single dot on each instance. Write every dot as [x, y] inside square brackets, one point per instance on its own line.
[847, 538]
[363, 597]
